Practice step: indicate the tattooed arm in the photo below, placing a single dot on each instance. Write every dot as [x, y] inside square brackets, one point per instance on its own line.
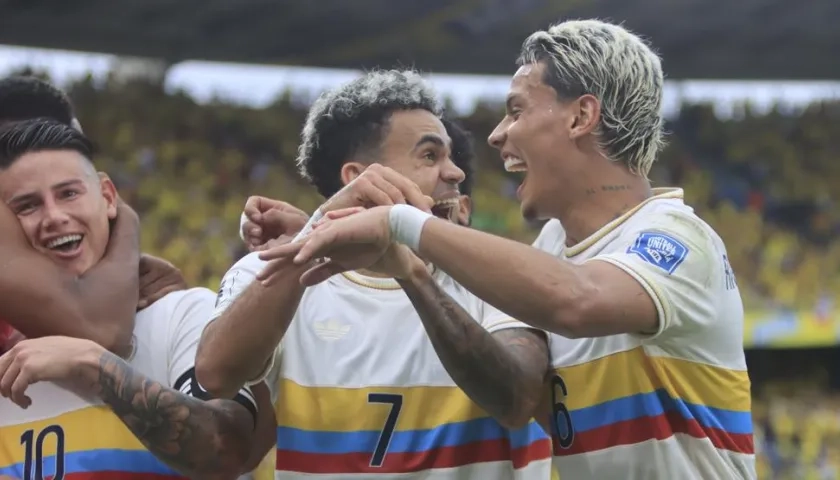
[201, 439]
[503, 372]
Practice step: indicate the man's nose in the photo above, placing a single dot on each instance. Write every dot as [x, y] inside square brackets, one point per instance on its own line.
[452, 173]
[54, 215]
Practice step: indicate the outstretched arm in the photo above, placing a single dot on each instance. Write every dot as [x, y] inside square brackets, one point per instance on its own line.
[237, 347]
[43, 299]
[207, 439]
[502, 371]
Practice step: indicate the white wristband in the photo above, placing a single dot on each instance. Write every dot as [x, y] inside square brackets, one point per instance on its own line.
[316, 215]
[406, 223]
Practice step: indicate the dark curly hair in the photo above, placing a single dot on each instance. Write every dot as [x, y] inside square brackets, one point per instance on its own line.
[353, 119]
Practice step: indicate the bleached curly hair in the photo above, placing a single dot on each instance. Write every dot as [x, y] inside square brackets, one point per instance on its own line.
[353, 119]
[620, 70]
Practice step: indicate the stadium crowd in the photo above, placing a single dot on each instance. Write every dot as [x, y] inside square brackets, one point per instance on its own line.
[763, 181]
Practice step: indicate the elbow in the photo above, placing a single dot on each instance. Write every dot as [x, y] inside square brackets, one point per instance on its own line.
[525, 411]
[211, 377]
[211, 369]
[228, 454]
[526, 400]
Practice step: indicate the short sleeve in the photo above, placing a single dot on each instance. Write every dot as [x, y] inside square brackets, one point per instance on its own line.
[240, 276]
[681, 267]
[189, 315]
[494, 320]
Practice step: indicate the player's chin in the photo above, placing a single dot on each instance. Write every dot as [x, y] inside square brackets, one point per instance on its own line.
[527, 204]
[529, 211]
[79, 265]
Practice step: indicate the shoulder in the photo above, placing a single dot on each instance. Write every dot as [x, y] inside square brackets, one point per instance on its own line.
[672, 237]
[249, 265]
[178, 303]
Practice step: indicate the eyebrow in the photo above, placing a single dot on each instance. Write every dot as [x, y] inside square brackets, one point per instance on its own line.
[430, 138]
[57, 186]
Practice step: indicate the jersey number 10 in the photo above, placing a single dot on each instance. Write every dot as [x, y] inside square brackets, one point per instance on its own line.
[34, 453]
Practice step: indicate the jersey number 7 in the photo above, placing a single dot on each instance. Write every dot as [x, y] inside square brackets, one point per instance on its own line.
[395, 401]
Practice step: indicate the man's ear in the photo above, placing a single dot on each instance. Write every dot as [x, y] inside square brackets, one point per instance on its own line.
[109, 193]
[464, 210]
[351, 170]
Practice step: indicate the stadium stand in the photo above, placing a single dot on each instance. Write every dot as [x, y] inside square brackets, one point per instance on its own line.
[766, 182]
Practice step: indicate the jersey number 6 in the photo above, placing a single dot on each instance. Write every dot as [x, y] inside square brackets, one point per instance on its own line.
[561, 420]
[34, 453]
[396, 402]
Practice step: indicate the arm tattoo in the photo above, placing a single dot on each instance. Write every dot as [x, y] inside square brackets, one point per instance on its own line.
[502, 372]
[202, 439]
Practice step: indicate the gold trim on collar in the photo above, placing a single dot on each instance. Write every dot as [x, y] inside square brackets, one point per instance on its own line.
[658, 194]
[377, 283]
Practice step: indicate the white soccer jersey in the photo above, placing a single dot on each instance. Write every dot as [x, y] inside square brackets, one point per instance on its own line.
[360, 391]
[671, 405]
[64, 436]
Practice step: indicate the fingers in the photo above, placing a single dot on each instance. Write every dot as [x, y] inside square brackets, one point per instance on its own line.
[9, 370]
[371, 191]
[257, 205]
[252, 234]
[19, 386]
[344, 212]
[408, 189]
[316, 245]
[251, 212]
[321, 272]
[279, 222]
[159, 278]
[281, 251]
[14, 379]
[279, 259]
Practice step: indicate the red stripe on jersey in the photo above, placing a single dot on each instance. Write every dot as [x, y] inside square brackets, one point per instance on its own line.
[660, 427]
[444, 457]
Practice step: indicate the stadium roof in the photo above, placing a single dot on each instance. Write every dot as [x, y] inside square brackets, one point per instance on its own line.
[726, 39]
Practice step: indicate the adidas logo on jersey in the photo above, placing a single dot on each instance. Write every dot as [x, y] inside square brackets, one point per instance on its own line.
[331, 330]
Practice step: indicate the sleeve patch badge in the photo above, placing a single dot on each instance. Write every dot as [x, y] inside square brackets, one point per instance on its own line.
[660, 250]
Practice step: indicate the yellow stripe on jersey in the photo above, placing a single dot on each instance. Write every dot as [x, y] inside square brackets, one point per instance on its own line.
[88, 441]
[265, 470]
[633, 372]
[350, 410]
[91, 428]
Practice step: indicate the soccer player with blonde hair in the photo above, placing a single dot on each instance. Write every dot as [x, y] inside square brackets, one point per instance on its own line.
[649, 378]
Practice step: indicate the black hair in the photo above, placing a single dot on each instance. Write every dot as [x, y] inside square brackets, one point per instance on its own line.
[26, 97]
[19, 138]
[354, 119]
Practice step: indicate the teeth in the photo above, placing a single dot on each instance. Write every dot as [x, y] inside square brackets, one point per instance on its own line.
[449, 202]
[57, 242]
[514, 164]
